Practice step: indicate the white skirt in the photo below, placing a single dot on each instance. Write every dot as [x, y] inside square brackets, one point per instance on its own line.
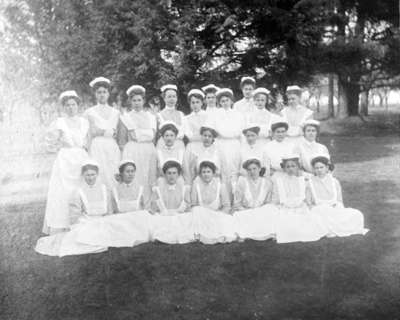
[106, 152]
[213, 227]
[258, 223]
[65, 178]
[341, 222]
[298, 224]
[231, 150]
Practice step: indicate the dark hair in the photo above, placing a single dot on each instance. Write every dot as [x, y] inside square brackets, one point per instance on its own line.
[87, 167]
[172, 164]
[123, 166]
[213, 132]
[246, 82]
[65, 99]
[164, 92]
[102, 84]
[167, 127]
[255, 130]
[278, 125]
[286, 160]
[137, 93]
[197, 96]
[207, 164]
[311, 125]
[323, 160]
[248, 162]
[225, 94]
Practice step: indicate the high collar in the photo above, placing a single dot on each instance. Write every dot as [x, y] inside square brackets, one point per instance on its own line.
[170, 108]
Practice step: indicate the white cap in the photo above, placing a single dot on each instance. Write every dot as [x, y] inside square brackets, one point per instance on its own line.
[324, 155]
[279, 120]
[168, 122]
[125, 161]
[135, 88]
[210, 124]
[290, 156]
[99, 80]
[250, 79]
[293, 88]
[90, 162]
[210, 87]
[250, 126]
[169, 87]
[311, 122]
[68, 94]
[197, 92]
[224, 91]
[261, 90]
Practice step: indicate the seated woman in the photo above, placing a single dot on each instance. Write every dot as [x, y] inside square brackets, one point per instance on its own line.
[254, 213]
[90, 201]
[325, 197]
[295, 222]
[171, 221]
[213, 222]
[308, 147]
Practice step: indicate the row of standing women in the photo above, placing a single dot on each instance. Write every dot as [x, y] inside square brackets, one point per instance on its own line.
[225, 136]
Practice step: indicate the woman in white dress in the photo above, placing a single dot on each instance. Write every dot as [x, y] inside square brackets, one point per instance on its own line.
[171, 221]
[252, 148]
[279, 146]
[295, 114]
[136, 133]
[308, 147]
[229, 126]
[325, 197]
[68, 134]
[295, 221]
[195, 119]
[169, 93]
[103, 121]
[89, 201]
[211, 206]
[254, 214]
[246, 105]
[212, 108]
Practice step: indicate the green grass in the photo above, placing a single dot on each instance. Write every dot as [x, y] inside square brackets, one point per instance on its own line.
[341, 278]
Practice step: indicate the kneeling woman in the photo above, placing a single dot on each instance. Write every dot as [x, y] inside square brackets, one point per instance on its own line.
[255, 215]
[171, 221]
[295, 222]
[325, 196]
[213, 222]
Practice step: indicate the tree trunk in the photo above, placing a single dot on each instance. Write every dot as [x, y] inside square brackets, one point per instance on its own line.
[331, 112]
[364, 103]
[348, 99]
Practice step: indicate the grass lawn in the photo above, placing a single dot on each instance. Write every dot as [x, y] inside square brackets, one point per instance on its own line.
[341, 278]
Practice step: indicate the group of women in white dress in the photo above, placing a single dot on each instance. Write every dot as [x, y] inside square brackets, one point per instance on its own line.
[228, 171]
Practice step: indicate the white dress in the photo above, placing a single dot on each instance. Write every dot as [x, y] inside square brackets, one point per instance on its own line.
[65, 174]
[262, 118]
[211, 224]
[256, 151]
[255, 216]
[178, 118]
[213, 112]
[326, 197]
[307, 151]
[295, 222]
[275, 151]
[104, 149]
[171, 223]
[164, 153]
[87, 204]
[194, 122]
[296, 116]
[142, 151]
[244, 106]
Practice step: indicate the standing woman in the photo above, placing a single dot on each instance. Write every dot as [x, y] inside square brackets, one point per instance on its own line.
[136, 133]
[229, 126]
[195, 119]
[308, 147]
[69, 135]
[169, 93]
[103, 121]
[246, 104]
[211, 100]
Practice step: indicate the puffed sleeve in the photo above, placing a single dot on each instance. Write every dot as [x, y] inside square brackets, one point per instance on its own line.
[153, 207]
[225, 199]
[268, 197]
[76, 208]
[194, 198]
[339, 191]
[187, 198]
[238, 196]
[114, 201]
[309, 196]
[189, 167]
[122, 134]
[110, 209]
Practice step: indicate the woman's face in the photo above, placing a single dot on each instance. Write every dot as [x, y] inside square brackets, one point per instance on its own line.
[128, 174]
[211, 100]
[247, 90]
[102, 95]
[320, 169]
[169, 138]
[253, 170]
[90, 176]
[172, 175]
[71, 107]
[170, 98]
[310, 133]
[207, 138]
[251, 137]
[291, 167]
[195, 104]
[206, 174]
[137, 102]
[225, 102]
[279, 134]
[293, 99]
[260, 100]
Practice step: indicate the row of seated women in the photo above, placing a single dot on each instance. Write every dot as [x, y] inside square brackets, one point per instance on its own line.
[288, 207]
[228, 133]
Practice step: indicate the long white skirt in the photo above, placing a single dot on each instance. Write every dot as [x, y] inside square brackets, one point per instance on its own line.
[258, 223]
[64, 179]
[231, 150]
[298, 224]
[341, 222]
[173, 229]
[106, 152]
[213, 227]
[145, 157]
